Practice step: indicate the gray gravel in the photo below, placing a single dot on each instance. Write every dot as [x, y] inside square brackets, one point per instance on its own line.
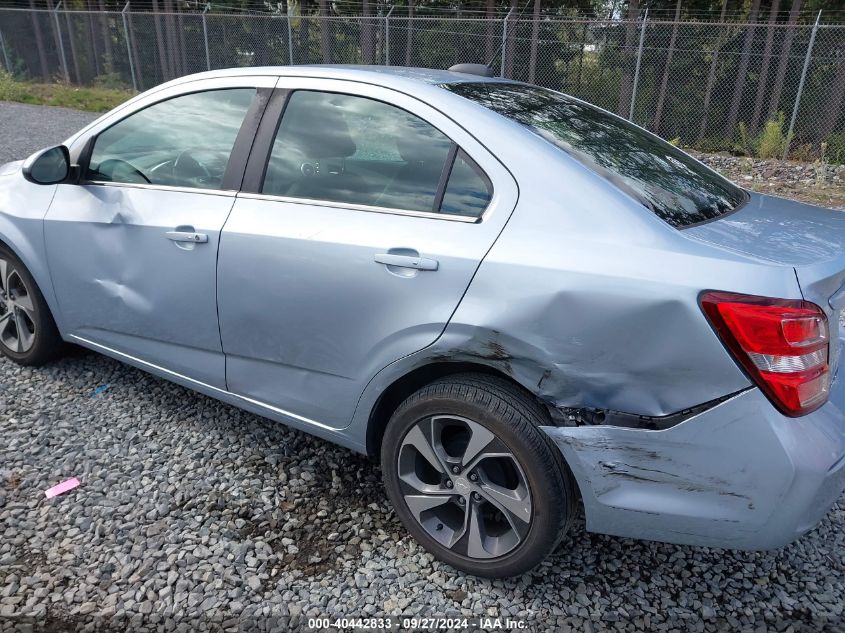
[27, 128]
[188, 507]
[194, 513]
[816, 183]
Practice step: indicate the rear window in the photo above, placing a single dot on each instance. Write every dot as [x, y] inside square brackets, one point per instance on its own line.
[674, 186]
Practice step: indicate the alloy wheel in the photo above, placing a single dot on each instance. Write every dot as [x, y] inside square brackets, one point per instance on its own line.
[17, 310]
[465, 487]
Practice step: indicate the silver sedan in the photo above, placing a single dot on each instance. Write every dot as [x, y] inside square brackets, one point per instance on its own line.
[521, 304]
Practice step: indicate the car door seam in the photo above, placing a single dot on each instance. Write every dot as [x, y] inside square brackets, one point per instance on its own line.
[223, 227]
[47, 254]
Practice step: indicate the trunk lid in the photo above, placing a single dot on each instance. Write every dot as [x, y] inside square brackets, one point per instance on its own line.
[808, 238]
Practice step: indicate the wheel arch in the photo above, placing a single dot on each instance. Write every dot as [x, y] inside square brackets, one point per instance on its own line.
[8, 245]
[16, 242]
[29, 257]
[405, 385]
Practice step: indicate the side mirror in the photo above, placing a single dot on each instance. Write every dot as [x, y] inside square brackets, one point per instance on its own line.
[48, 167]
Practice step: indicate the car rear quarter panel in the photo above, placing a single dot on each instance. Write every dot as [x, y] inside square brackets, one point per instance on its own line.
[589, 300]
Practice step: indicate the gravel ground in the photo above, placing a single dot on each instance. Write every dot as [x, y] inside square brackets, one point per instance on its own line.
[823, 185]
[194, 514]
[27, 128]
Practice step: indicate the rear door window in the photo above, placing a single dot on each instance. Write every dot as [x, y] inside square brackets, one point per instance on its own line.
[354, 150]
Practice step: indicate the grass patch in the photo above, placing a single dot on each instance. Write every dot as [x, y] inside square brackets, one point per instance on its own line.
[93, 99]
[772, 140]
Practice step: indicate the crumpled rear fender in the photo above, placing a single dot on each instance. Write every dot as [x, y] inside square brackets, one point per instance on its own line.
[738, 475]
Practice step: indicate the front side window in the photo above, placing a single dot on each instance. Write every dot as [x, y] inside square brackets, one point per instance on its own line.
[674, 186]
[181, 142]
[348, 149]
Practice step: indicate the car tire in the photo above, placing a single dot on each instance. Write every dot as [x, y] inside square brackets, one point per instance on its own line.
[22, 305]
[512, 485]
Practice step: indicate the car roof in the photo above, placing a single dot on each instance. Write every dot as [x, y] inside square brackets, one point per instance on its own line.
[423, 83]
[388, 76]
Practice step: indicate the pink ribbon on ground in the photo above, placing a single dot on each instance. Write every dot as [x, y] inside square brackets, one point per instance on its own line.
[61, 488]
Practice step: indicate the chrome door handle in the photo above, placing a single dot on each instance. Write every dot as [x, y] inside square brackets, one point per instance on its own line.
[406, 261]
[184, 236]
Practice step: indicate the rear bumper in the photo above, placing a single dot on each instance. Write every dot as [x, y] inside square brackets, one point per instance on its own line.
[739, 475]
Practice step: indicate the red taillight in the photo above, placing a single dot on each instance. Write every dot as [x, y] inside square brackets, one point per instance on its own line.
[781, 343]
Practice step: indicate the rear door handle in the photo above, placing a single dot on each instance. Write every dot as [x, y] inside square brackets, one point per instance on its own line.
[406, 261]
[185, 236]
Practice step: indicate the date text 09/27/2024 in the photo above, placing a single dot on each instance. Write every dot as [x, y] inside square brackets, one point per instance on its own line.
[419, 623]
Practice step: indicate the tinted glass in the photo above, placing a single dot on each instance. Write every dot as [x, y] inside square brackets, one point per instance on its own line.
[355, 150]
[468, 190]
[182, 142]
[674, 186]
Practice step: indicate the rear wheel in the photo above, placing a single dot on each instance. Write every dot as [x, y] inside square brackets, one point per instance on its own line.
[474, 479]
[28, 334]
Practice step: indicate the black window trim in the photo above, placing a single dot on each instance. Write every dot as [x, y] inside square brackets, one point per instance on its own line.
[444, 177]
[262, 147]
[236, 165]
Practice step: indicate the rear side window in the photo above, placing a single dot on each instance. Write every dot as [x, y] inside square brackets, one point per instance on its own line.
[674, 186]
[354, 150]
[468, 190]
[183, 142]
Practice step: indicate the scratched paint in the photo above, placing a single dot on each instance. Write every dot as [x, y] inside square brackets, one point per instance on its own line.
[733, 474]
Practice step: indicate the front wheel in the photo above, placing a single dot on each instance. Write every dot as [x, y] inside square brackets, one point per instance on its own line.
[474, 479]
[28, 334]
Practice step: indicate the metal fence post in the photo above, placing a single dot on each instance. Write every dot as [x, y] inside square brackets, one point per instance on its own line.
[61, 42]
[205, 36]
[637, 67]
[387, 37]
[505, 42]
[801, 85]
[6, 61]
[129, 46]
[290, 38]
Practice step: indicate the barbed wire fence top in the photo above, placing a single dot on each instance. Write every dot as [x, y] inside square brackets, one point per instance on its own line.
[713, 86]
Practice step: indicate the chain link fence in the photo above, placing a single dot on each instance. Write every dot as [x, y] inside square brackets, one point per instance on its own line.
[764, 88]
